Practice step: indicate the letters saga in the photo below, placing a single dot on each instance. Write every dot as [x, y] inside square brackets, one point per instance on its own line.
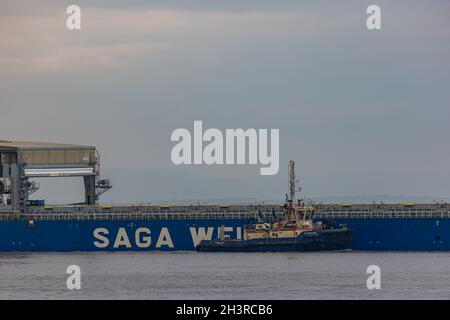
[141, 238]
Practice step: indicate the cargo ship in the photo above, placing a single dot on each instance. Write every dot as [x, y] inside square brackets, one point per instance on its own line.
[33, 226]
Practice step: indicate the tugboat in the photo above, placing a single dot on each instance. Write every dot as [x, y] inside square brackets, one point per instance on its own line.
[296, 232]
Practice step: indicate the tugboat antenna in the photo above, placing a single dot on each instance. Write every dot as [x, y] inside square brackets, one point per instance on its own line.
[292, 181]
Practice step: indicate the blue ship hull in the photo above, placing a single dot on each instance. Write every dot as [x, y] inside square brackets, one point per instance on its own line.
[115, 235]
[399, 234]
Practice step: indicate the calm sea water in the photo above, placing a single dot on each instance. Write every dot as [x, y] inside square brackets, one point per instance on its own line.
[186, 275]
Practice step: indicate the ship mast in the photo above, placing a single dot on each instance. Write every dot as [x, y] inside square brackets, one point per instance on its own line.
[291, 174]
[292, 190]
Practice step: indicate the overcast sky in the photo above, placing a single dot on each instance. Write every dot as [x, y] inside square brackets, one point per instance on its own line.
[363, 113]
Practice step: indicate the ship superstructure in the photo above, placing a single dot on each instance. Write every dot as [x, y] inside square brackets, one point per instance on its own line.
[298, 216]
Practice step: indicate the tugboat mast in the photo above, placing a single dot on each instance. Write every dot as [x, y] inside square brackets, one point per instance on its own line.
[291, 173]
[292, 190]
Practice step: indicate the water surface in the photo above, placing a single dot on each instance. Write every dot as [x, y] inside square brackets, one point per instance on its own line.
[189, 275]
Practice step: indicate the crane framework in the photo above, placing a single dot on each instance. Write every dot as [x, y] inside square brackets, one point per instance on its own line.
[20, 161]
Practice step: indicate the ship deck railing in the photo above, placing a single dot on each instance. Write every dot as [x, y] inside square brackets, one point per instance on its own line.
[134, 216]
[106, 214]
[382, 214]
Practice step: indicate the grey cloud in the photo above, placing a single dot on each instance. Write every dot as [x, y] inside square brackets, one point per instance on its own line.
[361, 112]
